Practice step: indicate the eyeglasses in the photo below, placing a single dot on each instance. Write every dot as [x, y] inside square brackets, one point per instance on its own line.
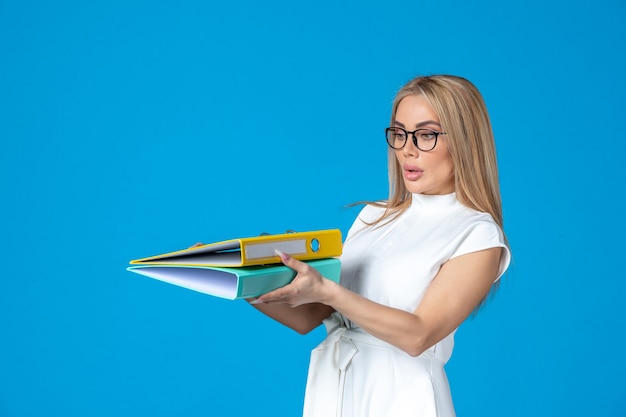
[424, 139]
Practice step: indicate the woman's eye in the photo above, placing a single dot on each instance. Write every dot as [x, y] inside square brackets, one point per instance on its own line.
[397, 134]
[427, 135]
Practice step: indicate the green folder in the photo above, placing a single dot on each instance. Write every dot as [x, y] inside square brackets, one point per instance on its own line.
[234, 283]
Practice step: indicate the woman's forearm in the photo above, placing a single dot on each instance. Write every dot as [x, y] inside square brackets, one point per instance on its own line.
[400, 328]
[302, 319]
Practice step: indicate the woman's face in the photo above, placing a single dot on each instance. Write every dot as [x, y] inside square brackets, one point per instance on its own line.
[429, 172]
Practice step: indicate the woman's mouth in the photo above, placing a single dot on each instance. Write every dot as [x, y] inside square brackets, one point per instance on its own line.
[412, 173]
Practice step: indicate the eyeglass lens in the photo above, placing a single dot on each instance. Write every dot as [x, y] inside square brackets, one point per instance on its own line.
[424, 139]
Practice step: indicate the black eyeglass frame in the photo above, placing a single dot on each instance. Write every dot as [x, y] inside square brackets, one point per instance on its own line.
[406, 137]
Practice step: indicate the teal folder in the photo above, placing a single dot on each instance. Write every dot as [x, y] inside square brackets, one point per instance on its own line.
[234, 283]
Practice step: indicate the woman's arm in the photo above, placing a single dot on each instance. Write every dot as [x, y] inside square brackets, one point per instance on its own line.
[302, 318]
[458, 288]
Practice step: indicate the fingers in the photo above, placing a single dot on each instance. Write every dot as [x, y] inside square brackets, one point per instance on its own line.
[302, 288]
[284, 295]
[292, 263]
[278, 295]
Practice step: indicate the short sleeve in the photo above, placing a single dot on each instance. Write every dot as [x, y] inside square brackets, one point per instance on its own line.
[480, 236]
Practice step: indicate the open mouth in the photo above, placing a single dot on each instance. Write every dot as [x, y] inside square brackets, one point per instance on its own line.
[411, 172]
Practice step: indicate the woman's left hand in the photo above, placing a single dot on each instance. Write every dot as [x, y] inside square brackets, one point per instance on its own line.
[307, 287]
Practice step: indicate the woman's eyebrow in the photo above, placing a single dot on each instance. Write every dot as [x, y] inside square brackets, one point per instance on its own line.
[420, 124]
[428, 122]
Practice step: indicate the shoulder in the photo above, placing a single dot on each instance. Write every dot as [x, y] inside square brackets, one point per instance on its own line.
[476, 231]
[470, 224]
[468, 214]
[368, 215]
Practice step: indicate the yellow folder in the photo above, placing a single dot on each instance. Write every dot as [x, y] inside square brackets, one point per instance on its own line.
[257, 250]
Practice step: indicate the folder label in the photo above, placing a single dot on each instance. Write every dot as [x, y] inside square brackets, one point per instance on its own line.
[266, 250]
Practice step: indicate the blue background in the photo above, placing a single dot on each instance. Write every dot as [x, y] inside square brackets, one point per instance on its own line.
[132, 128]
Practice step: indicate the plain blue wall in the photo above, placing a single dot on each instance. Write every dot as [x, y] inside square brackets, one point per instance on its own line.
[131, 128]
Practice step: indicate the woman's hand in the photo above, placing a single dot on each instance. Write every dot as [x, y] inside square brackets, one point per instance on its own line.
[307, 287]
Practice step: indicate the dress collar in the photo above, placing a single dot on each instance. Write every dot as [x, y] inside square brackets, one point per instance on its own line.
[433, 202]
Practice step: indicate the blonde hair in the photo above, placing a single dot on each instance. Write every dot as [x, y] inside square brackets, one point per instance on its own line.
[463, 115]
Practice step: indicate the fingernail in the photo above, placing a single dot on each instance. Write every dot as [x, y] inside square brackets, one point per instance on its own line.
[257, 301]
[281, 254]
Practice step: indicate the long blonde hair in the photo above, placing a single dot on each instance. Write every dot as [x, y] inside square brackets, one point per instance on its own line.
[463, 115]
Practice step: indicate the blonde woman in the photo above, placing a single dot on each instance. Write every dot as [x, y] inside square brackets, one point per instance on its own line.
[413, 267]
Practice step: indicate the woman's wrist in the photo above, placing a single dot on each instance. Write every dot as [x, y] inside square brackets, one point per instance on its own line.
[330, 290]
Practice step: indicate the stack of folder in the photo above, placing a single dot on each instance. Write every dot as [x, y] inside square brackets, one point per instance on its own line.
[244, 267]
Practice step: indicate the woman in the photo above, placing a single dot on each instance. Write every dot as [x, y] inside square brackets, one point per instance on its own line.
[413, 267]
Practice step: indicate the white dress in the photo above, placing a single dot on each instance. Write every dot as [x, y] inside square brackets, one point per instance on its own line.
[354, 374]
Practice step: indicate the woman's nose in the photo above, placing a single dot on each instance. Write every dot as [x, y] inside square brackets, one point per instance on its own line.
[410, 149]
